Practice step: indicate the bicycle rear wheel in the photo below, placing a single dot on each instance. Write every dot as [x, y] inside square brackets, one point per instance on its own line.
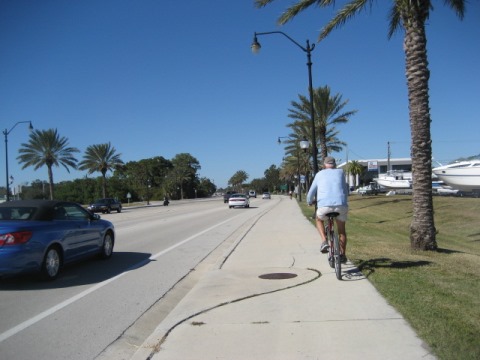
[331, 260]
[336, 256]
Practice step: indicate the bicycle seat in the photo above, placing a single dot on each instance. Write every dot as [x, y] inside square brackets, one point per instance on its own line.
[332, 214]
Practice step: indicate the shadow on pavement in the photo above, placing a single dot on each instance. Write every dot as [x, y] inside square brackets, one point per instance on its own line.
[91, 271]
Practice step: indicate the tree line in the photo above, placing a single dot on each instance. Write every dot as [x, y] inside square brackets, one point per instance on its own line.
[143, 180]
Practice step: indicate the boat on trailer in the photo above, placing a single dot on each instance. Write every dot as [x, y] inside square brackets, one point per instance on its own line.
[462, 175]
[395, 179]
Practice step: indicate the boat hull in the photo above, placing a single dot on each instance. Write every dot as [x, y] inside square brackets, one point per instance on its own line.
[462, 182]
[463, 176]
[394, 184]
[395, 180]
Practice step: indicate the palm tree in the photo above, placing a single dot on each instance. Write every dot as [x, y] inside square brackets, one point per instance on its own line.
[185, 168]
[101, 158]
[329, 111]
[354, 168]
[46, 147]
[411, 17]
[238, 179]
[295, 162]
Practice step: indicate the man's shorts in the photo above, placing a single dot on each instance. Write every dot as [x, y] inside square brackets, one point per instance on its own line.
[341, 209]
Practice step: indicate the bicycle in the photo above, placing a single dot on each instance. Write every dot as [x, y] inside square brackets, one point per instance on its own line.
[334, 257]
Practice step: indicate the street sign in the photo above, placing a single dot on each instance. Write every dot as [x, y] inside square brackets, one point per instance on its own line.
[372, 166]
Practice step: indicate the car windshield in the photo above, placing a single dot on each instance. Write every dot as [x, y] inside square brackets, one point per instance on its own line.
[101, 201]
[16, 213]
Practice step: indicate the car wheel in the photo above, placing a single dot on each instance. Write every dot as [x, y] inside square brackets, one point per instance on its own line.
[51, 264]
[119, 210]
[107, 247]
[109, 211]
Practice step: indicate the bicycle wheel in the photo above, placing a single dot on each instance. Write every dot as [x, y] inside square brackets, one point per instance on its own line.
[336, 256]
[331, 260]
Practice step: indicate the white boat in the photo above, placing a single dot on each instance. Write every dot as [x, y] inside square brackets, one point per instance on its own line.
[463, 175]
[440, 188]
[395, 179]
[447, 191]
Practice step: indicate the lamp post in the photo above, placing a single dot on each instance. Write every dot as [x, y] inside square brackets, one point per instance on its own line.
[149, 185]
[303, 144]
[5, 133]
[308, 49]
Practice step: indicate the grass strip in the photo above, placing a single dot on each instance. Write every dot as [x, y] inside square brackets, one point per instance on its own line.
[438, 292]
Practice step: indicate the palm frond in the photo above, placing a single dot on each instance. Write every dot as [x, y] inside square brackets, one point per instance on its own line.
[342, 16]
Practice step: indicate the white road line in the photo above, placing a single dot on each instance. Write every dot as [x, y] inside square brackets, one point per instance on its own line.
[20, 327]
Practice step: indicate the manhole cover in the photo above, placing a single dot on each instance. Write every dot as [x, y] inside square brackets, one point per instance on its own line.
[277, 276]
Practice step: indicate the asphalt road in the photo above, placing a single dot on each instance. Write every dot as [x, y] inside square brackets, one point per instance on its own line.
[101, 309]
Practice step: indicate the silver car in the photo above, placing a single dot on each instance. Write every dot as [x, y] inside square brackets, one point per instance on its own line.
[238, 200]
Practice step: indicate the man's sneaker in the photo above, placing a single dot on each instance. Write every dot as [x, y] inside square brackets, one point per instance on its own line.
[324, 247]
[343, 259]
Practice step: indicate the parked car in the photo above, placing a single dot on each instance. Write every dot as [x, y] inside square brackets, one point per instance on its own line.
[106, 205]
[370, 189]
[227, 195]
[266, 195]
[43, 235]
[252, 193]
[238, 200]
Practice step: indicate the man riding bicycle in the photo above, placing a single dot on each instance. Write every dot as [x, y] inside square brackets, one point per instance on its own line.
[331, 190]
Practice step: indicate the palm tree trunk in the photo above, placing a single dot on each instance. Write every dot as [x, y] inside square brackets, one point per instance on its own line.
[50, 180]
[323, 144]
[422, 228]
[104, 183]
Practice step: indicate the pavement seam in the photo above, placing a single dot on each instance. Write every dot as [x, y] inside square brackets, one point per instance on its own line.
[234, 247]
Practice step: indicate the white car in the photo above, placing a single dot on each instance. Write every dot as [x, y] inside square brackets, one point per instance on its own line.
[266, 195]
[252, 193]
[238, 200]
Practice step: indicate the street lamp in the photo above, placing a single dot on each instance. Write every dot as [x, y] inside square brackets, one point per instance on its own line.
[302, 144]
[149, 185]
[6, 132]
[308, 49]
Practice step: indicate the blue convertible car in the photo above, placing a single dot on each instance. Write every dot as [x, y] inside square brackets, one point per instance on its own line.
[43, 235]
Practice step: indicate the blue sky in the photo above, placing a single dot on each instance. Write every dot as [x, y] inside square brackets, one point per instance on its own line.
[159, 78]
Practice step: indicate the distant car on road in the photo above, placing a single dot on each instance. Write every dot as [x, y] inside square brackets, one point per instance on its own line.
[227, 195]
[266, 195]
[43, 235]
[106, 205]
[238, 200]
[252, 193]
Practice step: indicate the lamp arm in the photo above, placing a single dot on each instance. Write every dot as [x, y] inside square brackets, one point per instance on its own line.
[5, 132]
[307, 49]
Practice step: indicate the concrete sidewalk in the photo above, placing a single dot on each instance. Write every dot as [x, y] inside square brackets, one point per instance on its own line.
[276, 297]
